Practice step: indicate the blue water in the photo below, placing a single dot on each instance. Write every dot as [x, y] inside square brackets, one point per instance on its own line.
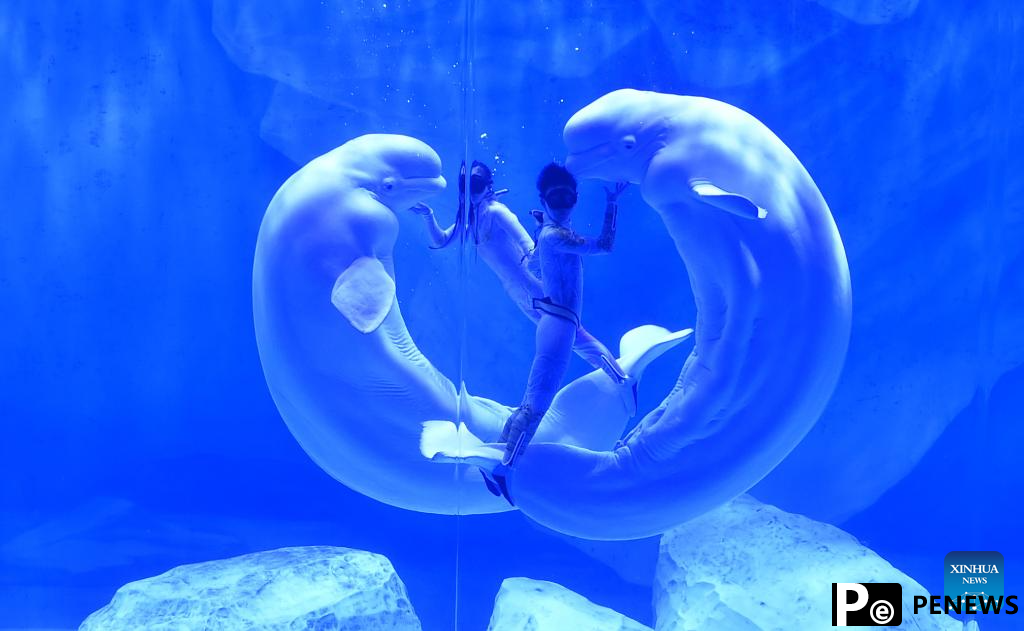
[142, 145]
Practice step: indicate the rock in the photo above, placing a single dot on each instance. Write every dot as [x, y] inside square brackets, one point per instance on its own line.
[319, 588]
[524, 604]
[749, 566]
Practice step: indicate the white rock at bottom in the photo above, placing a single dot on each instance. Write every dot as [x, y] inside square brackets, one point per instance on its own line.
[748, 566]
[524, 604]
[309, 588]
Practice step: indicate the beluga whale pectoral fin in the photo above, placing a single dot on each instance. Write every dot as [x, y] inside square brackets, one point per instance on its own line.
[724, 200]
[364, 293]
[442, 441]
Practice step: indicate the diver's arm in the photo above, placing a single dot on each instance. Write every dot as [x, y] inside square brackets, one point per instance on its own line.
[521, 236]
[438, 237]
[533, 264]
[565, 240]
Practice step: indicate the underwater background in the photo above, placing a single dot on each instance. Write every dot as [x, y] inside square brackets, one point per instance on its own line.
[142, 143]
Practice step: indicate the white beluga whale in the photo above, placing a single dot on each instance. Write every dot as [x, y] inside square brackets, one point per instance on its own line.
[772, 289]
[339, 362]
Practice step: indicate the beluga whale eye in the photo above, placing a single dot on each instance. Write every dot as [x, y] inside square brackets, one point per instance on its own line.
[387, 184]
[629, 142]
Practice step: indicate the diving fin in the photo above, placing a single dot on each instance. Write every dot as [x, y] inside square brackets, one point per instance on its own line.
[497, 484]
[490, 483]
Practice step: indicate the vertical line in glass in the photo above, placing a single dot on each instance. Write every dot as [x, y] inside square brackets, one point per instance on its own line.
[467, 113]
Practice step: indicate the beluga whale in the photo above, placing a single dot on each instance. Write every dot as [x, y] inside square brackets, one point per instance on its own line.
[771, 285]
[340, 364]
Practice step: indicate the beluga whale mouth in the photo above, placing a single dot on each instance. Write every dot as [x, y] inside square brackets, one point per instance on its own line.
[771, 284]
[579, 164]
[428, 185]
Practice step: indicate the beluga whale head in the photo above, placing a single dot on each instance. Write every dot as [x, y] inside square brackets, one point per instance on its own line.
[399, 171]
[615, 137]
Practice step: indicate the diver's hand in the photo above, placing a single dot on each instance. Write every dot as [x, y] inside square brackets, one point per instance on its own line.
[422, 209]
[612, 195]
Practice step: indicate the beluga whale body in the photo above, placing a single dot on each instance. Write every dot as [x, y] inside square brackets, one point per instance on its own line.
[771, 284]
[343, 371]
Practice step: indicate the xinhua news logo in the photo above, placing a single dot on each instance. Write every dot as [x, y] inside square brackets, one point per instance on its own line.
[973, 584]
[978, 574]
[867, 604]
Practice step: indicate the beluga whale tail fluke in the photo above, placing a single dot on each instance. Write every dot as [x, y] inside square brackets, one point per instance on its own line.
[771, 284]
[573, 418]
[642, 345]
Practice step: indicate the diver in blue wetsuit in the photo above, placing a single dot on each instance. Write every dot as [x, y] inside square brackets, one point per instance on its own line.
[507, 248]
[559, 250]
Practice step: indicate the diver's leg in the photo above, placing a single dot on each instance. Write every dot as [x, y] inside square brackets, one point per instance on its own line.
[555, 337]
[525, 305]
[522, 294]
[597, 355]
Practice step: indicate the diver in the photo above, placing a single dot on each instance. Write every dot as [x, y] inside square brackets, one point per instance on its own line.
[507, 248]
[559, 250]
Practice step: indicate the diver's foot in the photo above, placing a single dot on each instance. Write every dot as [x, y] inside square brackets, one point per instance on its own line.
[496, 484]
[491, 483]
